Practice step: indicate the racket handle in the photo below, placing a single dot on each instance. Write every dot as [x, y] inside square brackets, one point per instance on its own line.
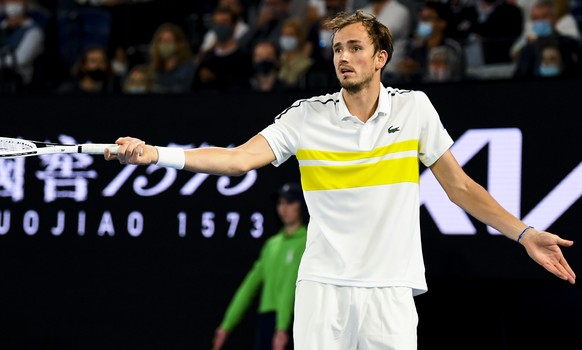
[98, 148]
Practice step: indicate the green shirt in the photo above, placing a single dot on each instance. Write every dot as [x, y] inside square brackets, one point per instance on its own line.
[276, 271]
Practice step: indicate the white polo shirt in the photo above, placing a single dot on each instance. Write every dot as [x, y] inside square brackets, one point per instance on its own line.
[361, 185]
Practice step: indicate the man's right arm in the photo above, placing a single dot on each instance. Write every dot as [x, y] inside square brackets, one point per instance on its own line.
[253, 154]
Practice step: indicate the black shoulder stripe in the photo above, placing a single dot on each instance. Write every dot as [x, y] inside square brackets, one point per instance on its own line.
[398, 91]
[299, 104]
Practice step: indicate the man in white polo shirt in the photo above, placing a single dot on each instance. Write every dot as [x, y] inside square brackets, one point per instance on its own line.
[358, 152]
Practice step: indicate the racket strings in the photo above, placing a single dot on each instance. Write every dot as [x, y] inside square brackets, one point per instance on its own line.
[15, 145]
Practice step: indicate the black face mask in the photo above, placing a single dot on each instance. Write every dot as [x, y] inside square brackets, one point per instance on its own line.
[264, 67]
[96, 74]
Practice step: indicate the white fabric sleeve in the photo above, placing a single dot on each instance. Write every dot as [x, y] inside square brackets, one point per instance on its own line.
[433, 140]
[284, 134]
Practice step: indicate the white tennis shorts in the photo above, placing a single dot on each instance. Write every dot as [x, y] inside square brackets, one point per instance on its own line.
[329, 317]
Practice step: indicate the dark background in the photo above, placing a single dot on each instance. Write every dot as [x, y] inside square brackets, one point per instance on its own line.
[163, 291]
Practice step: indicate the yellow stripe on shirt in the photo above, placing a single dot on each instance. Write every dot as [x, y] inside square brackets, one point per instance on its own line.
[385, 172]
[403, 146]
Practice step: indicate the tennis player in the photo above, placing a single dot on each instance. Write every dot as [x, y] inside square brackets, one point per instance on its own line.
[358, 152]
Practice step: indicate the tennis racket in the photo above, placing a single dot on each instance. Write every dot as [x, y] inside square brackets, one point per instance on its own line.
[17, 148]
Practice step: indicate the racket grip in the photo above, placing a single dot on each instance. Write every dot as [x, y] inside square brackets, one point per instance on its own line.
[98, 148]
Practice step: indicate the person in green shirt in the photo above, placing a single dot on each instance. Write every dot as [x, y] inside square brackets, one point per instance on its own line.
[275, 275]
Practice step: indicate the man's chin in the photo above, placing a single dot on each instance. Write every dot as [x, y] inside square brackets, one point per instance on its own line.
[351, 87]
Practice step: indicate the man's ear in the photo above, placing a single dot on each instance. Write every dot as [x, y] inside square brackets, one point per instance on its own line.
[381, 59]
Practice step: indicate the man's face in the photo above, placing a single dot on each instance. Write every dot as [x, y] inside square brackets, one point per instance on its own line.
[264, 52]
[551, 56]
[96, 59]
[289, 212]
[354, 58]
[541, 13]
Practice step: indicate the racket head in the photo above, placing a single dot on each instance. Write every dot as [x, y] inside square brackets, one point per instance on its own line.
[12, 147]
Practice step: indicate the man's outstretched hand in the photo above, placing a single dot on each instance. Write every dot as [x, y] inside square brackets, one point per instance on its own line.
[133, 151]
[544, 248]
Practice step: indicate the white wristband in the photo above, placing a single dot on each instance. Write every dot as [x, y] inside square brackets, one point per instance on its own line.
[171, 157]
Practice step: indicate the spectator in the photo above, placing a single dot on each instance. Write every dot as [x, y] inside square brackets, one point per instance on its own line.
[227, 66]
[464, 17]
[565, 24]
[266, 68]
[171, 60]
[140, 80]
[498, 26]
[240, 29]
[431, 33]
[91, 74]
[296, 52]
[443, 65]
[551, 64]
[543, 17]
[268, 23]
[397, 18]
[21, 43]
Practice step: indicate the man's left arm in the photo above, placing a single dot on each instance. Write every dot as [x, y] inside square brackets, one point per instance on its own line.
[543, 247]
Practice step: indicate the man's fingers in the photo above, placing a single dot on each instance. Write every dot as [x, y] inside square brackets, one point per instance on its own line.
[565, 242]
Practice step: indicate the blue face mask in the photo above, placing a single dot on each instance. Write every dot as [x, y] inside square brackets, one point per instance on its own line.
[549, 70]
[542, 28]
[424, 29]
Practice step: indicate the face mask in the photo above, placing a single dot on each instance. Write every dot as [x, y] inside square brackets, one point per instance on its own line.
[96, 74]
[542, 28]
[550, 70]
[264, 67]
[119, 68]
[14, 9]
[288, 43]
[166, 49]
[223, 32]
[424, 29]
[135, 89]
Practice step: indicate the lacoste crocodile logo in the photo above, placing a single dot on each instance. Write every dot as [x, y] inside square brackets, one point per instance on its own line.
[392, 130]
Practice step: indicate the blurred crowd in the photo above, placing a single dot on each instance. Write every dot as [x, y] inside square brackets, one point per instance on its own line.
[183, 46]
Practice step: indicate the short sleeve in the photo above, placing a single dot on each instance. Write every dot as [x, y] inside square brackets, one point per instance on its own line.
[434, 140]
[284, 134]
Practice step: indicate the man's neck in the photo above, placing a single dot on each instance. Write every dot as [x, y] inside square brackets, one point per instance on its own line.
[291, 228]
[363, 103]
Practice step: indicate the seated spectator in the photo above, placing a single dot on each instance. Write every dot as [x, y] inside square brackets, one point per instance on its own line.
[91, 74]
[551, 64]
[171, 60]
[498, 26]
[21, 43]
[266, 68]
[443, 65]
[267, 23]
[543, 16]
[397, 18]
[431, 33]
[240, 29]
[140, 80]
[565, 24]
[464, 17]
[295, 53]
[227, 66]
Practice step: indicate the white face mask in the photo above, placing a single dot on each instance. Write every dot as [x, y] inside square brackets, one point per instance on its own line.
[13, 9]
[288, 43]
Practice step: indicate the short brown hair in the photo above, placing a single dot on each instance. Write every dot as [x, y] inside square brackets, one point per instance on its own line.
[379, 33]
